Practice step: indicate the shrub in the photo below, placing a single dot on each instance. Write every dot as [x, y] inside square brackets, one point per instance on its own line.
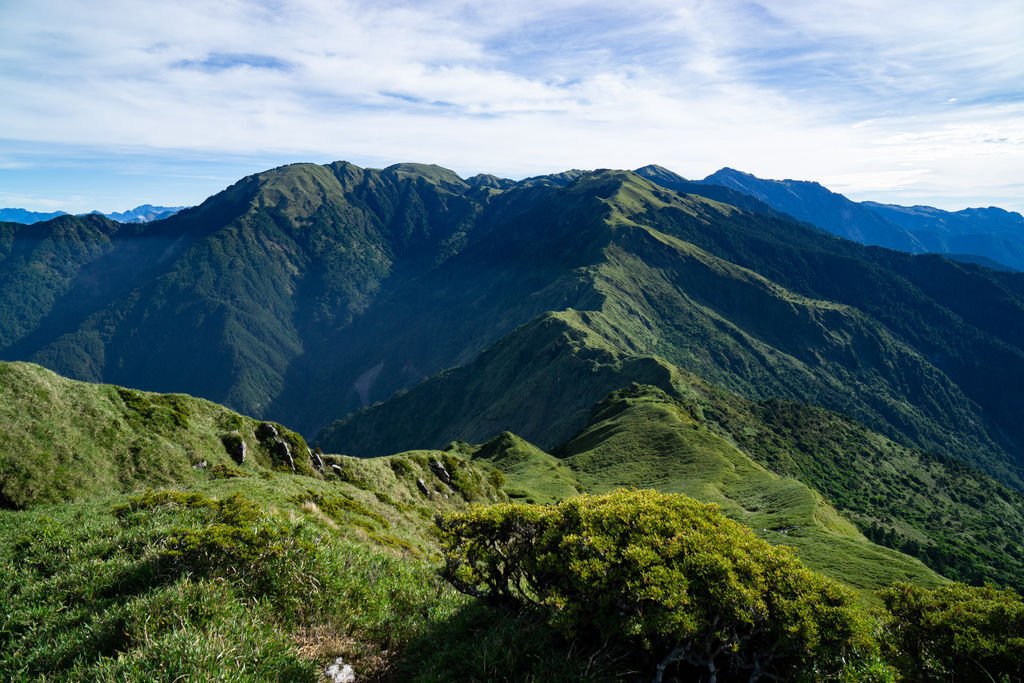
[681, 585]
[956, 632]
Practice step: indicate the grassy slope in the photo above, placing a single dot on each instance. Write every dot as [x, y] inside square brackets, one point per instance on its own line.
[642, 438]
[651, 294]
[107, 590]
[130, 598]
[66, 440]
[540, 382]
[963, 321]
[250, 567]
[308, 291]
[532, 475]
[958, 521]
[737, 328]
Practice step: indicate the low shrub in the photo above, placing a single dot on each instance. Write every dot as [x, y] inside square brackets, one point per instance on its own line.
[956, 632]
[686, 589]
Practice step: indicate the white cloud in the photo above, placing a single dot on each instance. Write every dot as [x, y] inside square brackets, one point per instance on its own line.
[852, 93]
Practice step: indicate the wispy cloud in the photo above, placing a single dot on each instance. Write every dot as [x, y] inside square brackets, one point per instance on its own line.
[220, 61]
[918, 101]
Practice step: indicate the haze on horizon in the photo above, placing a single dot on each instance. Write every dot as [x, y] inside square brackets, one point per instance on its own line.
[111, 104]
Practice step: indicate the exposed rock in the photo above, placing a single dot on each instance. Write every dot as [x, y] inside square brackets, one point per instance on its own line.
[318, 462]
[266, 431]
[337, 469]
[201, 465]
[340, 672]
[422, 486]
[439, 470]
[282, 451]
[235, 446]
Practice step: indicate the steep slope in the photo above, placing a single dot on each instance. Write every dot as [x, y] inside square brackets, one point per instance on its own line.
[957, 520]
[530, 253]
[923, 302]
[652, 293]
[226, 295]
[640, 437]
[39, 264]
[64, 440]
[538, 382]
[307, 292]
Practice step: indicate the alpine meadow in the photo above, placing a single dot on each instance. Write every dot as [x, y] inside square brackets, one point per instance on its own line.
[355, 421]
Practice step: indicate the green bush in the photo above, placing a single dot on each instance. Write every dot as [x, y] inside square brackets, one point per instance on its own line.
[685, 588]
[956, 632]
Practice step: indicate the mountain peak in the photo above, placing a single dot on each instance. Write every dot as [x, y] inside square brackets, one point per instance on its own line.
[429, 172]
[659, 174]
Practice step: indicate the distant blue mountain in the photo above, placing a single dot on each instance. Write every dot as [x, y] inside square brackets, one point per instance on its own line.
[993, 233]
[144, 214]
[140, 214]
[990, 237]
[817, 205]
[27, 217]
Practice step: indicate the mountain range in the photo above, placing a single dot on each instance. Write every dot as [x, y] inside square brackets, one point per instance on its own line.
[140, 214]
[384, 310]
[990, 236]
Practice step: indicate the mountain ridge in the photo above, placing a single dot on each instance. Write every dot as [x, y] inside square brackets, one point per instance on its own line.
[989, 233]
[307, 292]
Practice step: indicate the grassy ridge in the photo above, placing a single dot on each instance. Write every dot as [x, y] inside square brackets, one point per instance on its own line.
[654, 291]
[249, 569]
[275, 573]
[640, 437]
[532, 475]
[307, 292]
[65, 440]
[539, 382]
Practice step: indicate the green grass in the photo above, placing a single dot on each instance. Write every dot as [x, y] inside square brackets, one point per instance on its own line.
[245, 579]
[188, 586]
[531, 475]
[642, 438]
[64, 440]
[272, 574]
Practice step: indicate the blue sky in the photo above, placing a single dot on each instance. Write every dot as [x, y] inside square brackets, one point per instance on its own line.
[111, 104]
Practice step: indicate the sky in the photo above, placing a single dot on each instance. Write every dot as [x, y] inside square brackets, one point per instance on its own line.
[109, 104]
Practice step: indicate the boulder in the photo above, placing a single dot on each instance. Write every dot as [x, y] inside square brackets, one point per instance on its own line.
[266, 432]
[340, 672]
[314, 457]
[282, 452]
[440, 472]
